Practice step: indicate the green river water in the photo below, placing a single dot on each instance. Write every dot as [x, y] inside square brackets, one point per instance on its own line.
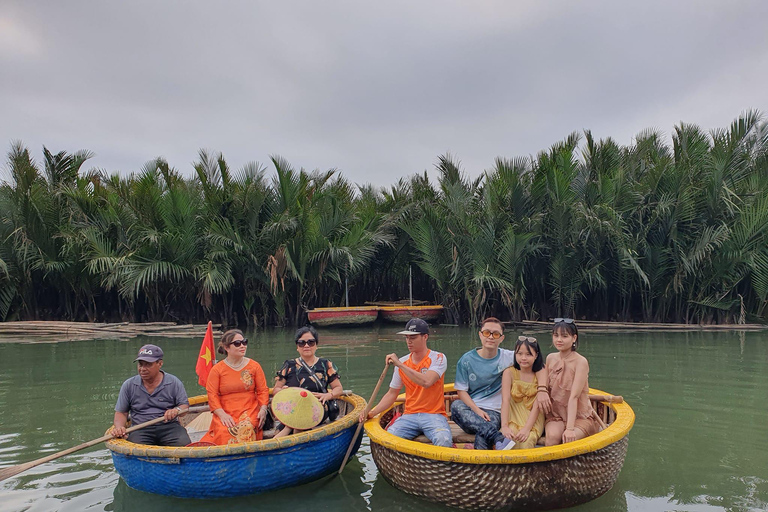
[700, 440]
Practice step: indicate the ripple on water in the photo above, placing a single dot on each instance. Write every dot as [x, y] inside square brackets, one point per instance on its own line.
[79, 483]
[701, 503]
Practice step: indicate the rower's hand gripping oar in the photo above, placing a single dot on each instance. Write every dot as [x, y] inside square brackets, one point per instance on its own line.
[367, 409]
[15, 470]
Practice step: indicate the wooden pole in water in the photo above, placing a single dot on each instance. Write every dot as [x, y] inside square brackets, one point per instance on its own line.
[410, 284]
[367, 409]
[15, 470]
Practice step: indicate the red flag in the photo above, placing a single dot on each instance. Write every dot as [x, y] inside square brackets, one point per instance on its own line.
[207, 357]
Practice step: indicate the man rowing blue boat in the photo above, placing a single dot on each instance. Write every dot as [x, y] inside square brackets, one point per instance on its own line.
[151, 394]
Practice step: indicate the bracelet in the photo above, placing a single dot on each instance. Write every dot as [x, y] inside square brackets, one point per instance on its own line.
[541, 391]
[178, 410]
[541, 387]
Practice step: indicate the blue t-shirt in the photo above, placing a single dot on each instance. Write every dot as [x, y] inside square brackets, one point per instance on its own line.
[143, 407]
[481, 377]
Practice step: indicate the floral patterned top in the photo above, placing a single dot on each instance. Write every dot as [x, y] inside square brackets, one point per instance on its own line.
[296, 375]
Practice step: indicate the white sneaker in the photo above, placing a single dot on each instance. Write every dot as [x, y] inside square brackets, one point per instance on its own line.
[506, 444]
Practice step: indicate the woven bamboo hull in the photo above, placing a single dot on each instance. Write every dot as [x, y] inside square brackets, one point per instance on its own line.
[530, 487]
[402, 314]
[343, 316]
[535, 479]
[240, 469]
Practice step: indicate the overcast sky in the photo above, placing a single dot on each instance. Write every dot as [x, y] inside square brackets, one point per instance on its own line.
[375, 89]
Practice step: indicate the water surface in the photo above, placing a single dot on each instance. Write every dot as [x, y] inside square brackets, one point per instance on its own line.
[699, 443]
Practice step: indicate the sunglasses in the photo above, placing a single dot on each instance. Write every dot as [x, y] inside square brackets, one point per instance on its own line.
[527, 338]
[238, 343]
[491, 334]
[564, 320]
[304, 343]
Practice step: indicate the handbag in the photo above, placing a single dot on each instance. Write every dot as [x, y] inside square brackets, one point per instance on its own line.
[331, 407]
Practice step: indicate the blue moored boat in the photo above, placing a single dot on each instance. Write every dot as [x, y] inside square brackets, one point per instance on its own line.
[239, 469]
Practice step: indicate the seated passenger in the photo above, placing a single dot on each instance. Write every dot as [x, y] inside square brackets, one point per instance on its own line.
[478, 383]
[312, 373]
[151, 394]
[237, 394]
[572, 416]
[422, 372]
[524, 421]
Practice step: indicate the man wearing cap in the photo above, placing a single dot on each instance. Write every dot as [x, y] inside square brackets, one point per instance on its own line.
[151, 394]
[422, 372]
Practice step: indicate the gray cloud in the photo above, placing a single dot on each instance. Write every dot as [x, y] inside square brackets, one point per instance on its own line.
[376, 90]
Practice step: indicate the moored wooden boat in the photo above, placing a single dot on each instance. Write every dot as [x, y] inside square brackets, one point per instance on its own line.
[238, 469]
[403, 313]
[542, 478]
[359, 315]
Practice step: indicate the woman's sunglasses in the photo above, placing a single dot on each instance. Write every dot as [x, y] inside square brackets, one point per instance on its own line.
[304, 343]
[238, 343]
[564, 320]
[527, 338]
[491, 334]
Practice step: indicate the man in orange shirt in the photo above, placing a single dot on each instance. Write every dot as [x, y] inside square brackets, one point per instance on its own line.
[422, 372]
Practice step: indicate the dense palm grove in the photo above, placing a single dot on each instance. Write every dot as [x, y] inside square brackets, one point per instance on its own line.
[647, 232]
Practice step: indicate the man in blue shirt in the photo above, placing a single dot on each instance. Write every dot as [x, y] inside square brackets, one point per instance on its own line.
[151, 394]
[478, 382]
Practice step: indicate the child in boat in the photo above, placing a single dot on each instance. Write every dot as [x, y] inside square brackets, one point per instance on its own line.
[572, 416]
[519, 386]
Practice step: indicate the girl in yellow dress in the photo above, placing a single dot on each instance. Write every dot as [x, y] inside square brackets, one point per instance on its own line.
[519, 387]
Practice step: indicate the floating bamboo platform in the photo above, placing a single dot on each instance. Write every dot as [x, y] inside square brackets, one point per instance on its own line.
[55, 332]
[638, 326]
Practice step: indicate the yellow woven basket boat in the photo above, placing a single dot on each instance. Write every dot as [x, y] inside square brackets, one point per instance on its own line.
[542, 478]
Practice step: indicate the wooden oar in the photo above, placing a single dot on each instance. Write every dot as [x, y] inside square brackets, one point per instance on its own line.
[612, 399]
[15, 470]
[367, 409]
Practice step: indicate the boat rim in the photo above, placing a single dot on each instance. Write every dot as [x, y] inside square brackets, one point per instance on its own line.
[409, 308]
[625, 418]
[125, 447]
[341, 309]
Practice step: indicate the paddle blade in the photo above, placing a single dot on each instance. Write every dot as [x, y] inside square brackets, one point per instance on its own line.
[6, 473]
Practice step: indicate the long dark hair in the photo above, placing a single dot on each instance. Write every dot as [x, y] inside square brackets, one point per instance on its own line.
[569, 326]
[301, 331]
[532, 345]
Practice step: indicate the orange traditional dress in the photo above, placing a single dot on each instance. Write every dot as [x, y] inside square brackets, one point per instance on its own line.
[241, 393]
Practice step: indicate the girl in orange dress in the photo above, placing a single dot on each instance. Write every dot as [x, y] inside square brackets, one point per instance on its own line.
[237, 394]
[572, 416]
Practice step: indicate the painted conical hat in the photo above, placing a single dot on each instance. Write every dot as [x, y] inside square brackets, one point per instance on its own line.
[297, 408]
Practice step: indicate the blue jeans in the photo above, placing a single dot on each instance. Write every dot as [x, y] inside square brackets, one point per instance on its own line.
[472, 423]
[434, 426]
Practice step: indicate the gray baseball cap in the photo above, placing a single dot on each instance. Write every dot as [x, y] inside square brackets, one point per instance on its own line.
[149, 353]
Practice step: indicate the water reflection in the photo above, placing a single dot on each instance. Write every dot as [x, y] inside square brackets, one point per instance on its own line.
[698, 444]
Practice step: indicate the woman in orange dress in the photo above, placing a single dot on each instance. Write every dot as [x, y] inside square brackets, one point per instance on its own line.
[237, 394]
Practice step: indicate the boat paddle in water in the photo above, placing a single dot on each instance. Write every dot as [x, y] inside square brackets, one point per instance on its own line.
[367, 409]
[6, 473]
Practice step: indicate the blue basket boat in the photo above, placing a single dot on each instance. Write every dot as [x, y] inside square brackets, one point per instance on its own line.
[239, 469]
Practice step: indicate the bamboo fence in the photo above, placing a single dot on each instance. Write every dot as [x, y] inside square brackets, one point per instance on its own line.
[54, 332]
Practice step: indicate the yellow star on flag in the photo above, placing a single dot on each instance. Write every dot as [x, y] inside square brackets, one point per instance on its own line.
[206, 356]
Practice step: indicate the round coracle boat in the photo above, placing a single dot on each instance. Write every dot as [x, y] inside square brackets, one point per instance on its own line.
[401, 314]
[541, 478]
[359, 315]
[239, 469]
